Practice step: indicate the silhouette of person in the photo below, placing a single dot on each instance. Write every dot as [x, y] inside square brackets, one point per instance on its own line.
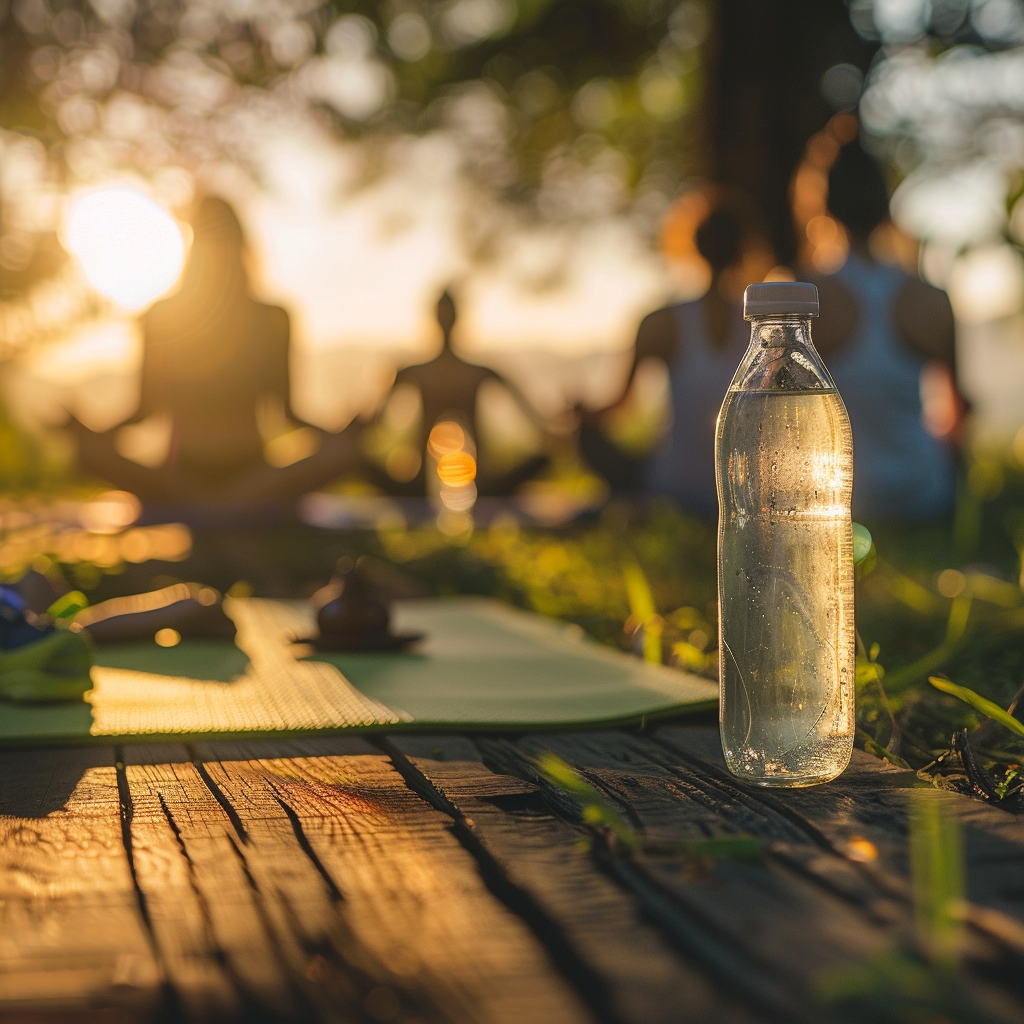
[879, 330]
[701, 342]
[212, 356]
[449, 389]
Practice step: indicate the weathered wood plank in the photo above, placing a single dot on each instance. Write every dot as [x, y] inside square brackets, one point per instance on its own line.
[72, 936]
[199, 960]
[214, 921]
[338, 974]
[870, 801]
[257, 747]
[411, 896]
[638, 976]
[804, 911]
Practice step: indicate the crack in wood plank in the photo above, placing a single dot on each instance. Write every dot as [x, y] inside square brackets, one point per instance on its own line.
[591, 986]
[413, 900]
[642, 979]
[786, 924]
[870, 801]
[222, 957]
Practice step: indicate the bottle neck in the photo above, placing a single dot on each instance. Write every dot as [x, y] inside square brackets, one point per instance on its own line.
[780, 331]
[781, 357]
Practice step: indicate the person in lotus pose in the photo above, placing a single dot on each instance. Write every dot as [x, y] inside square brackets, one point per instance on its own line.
[450, 390]
[213, 357]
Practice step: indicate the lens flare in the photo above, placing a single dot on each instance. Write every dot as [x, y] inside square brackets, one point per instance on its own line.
[131, 250]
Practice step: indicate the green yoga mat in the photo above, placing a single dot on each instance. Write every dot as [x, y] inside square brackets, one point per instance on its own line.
[481, 666]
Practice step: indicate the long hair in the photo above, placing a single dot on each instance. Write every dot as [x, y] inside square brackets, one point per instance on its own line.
[200, 330]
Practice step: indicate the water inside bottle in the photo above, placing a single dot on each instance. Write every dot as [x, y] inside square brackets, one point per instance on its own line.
[786, 585]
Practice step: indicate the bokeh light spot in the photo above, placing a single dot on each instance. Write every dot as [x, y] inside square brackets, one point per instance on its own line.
[445, 439]
[951, 583]
[861, 850]
[456, 469]
[110, 512]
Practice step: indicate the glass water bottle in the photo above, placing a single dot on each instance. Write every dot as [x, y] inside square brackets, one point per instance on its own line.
[784, 468]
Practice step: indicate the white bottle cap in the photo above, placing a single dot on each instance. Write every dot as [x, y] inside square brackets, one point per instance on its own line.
[780, 298]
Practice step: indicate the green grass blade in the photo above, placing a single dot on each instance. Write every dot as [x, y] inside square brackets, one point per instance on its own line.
[979, 703]
[643, 610]
[937, 873]
[68, 605]
[595, 810]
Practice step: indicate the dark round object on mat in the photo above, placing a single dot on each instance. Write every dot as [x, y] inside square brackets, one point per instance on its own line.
[352, 616]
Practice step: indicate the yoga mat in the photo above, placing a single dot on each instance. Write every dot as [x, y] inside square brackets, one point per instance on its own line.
[482, 666]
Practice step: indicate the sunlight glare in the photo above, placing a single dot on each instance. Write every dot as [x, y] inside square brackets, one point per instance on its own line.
[131, 250]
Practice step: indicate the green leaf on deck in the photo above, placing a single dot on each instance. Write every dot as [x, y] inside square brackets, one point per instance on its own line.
[875, 749]
[979, 703]
[1003, 787]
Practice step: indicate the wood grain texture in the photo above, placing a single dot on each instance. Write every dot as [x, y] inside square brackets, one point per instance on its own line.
[805, 911]
[338, 975]
[444, 882]
[634, 973]
[436, 944]
[204, 914]
[72, 937]
[870, 801]
[285, 951]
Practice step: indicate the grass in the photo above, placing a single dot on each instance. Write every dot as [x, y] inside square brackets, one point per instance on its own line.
[940, 601]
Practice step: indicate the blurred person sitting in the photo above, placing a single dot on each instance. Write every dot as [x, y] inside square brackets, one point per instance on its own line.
[214, 358]
[452, 390]
[701, 343]
[886, 336]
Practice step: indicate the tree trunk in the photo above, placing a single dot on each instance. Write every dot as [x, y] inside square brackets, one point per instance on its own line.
[764, 96]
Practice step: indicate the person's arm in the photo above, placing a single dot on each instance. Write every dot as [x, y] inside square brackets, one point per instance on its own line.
[524, 404]
[279, 383]
[923, 318]
[656, 338]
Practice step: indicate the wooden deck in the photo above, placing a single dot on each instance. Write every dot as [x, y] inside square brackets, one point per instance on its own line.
[438, 879]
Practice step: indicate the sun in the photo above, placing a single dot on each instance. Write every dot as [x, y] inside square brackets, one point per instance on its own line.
[131, 250]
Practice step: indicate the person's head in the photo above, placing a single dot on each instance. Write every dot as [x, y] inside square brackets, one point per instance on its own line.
[719, 239]
[857, 194]
[446, 314]
[732, 240]
[218, 241]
